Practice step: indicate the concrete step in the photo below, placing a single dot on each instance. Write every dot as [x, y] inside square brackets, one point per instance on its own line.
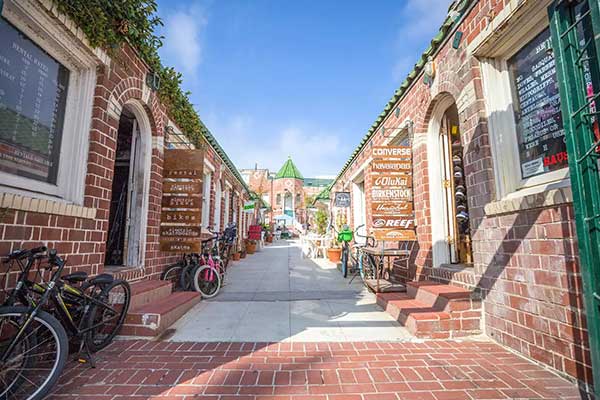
[153, 319]
[443, 297]
[149, 291]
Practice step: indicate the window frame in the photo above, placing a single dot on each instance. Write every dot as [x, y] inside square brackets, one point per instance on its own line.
[60, 43]
[499, 101]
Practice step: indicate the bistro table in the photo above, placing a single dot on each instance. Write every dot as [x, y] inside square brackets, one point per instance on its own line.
[380, 255]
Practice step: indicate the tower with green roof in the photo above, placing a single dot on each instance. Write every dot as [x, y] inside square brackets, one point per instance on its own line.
[288, 191]
[289, 170]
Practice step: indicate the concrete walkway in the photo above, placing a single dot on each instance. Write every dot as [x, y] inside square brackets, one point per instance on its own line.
[275, 295]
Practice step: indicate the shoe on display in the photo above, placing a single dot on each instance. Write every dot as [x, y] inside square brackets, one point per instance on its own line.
[460, 188]
[461, 207]
[458, 174]
[460, 196]
[456, 160]
[462, 216]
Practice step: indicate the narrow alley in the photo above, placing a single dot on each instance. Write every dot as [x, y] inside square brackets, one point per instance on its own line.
[288, 328]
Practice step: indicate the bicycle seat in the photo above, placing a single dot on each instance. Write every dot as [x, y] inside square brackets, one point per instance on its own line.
[102, 279]
[74, 277]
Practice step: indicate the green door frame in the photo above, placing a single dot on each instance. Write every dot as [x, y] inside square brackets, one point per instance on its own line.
[579, 83]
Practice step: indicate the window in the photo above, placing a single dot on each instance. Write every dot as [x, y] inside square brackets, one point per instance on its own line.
[265, 198]
[298, 199]
[33, 94]
[47, 82]
[278, 199]
[540, 134]
[523, 108]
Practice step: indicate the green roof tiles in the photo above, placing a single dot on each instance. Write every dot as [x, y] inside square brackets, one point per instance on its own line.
[289, 170]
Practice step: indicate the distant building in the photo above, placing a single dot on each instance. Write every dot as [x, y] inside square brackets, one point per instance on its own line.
[286, 192]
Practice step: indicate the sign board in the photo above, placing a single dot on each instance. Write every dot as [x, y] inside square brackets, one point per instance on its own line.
[392, 152]
[389, 181]
[390, 194]
[249, 207]
[391, 208]
[403, 167]
[180, 246]
[393, 222]
[342, 199]
[190, 187]
[181, 213]
[178, 202]
[181, 217]
[394, 235]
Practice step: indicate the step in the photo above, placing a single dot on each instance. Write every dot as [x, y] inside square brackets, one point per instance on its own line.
[442, 296]
[426, 321]
[153, 319]
[149, 291]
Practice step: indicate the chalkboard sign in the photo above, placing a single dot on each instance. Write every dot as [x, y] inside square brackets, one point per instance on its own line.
[33, 94]
[540, 133]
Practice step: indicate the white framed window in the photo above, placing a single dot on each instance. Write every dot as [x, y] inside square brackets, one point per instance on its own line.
[47, 82]
[206, 199]
[523, 105]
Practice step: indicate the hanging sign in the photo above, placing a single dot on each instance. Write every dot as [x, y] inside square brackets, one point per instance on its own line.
[249, 207]
[342, 199]
[403, 167]
[392, 213]
[181, 213]
[391, 208]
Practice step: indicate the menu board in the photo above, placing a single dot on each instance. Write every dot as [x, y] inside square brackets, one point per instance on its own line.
[392, 214]
[540, 133]
[33, 96]
[180, 230]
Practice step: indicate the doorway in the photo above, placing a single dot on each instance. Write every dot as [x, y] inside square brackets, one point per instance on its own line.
[456, 209]
[126, 222]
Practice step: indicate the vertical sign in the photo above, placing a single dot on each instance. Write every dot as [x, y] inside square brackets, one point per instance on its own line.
[392, 214]
[180, 230]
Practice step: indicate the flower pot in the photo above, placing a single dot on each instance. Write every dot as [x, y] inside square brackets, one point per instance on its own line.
[236, 256]
[334, 254]
[269, 239]
[243, 255]
[250, 248]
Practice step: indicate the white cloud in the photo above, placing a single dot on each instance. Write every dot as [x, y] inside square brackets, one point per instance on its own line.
[421, 20]
[314, 151]
[183, 32]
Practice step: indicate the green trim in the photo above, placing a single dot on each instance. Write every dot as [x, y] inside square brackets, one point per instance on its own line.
[455, 15]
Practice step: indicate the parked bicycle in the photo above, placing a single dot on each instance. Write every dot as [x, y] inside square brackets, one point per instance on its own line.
[39, 315]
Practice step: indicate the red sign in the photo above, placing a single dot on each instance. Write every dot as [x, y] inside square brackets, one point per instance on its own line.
[393, 222]
[391, 208]
[404, 167]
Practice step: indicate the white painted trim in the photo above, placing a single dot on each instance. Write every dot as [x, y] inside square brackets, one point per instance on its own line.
[209, 165]
[360, 170]
[440, 248]
[58, 41]
[404, 127]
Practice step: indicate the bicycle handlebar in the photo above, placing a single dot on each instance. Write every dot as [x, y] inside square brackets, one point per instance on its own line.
[24, 253]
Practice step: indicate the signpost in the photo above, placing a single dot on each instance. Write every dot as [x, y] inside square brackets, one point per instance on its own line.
[180, 230]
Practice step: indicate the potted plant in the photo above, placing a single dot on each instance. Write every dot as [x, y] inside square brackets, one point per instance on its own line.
[334, 252]
[250, 246]
[236, 256]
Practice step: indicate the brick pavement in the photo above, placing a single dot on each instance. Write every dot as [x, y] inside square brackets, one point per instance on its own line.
[432, 370]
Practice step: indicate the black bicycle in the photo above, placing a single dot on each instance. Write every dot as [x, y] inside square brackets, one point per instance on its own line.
[34, 344]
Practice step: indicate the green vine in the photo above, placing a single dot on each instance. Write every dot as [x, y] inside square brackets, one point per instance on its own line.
[108, 24]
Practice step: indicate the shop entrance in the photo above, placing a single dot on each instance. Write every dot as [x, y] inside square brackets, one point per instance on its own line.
[456, 209]
[125, 222]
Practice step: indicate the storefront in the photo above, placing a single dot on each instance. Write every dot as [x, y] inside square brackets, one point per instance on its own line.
[82, 140]
[491, 190]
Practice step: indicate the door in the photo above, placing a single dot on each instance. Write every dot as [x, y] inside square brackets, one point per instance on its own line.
[133, 238]
[575, 27]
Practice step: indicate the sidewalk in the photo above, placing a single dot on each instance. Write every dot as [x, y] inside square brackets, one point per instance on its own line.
[275, 295]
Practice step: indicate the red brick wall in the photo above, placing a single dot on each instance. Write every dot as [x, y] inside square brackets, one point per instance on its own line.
[525, 262]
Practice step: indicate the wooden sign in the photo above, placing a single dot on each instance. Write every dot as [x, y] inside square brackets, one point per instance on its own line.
[392, 152]
[181, 217]
[187, 232]
[181, 202]
[180, 247]
[391, 208]
[394, 235]
[183, 163]
[403, 167]
[190, 187]
[393, 222]
[391, 181]
[391, 194]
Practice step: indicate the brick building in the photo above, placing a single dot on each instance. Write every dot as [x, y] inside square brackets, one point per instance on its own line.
[286, 191]
[492, 196]
[81, 172]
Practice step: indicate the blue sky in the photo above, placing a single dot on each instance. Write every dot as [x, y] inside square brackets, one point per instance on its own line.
[299, 78]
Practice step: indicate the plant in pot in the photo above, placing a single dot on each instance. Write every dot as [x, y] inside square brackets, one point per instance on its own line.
[334, 252]
[250, 246]
[242, 250]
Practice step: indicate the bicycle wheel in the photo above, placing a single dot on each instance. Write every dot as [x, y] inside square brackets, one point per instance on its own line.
[207, 281]
[172, 274]
[106, 322]
[345, 261]
[187, 276]
[36, 361]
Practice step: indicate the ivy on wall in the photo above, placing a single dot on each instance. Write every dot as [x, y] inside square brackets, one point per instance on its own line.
[108, 24]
